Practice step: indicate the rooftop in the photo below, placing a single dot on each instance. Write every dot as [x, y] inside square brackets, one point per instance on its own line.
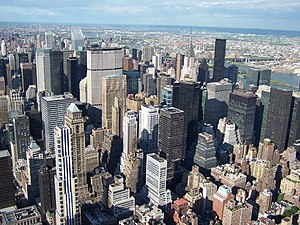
[4, 153]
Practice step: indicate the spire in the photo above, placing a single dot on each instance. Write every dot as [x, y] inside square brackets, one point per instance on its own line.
[190, 49]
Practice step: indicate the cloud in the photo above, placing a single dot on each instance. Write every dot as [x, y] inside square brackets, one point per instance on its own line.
[247, 13]
[28, 11]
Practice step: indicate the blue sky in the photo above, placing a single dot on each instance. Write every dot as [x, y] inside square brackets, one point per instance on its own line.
[272, 14]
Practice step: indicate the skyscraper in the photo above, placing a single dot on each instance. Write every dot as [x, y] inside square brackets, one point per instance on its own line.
[203, 75]
[148, 128]
[3, 48]
[21, 137]
[49, 40]
[53, 109]
[217, 100]
[7, 194]
[27, 75]
[277, 128]
[43, 70]
[241, 112]
[258, 77]
[113, 86]
[186, 96]
[205, 155]
[294, 133]
[219, 59]
[66, 190]
[75, 121]
[77, 38]
[101, 62]
[156, 180]
[179, 64]
[130, 127]
[171, 137]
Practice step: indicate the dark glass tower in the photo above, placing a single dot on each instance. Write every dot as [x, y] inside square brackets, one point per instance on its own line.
[7, 194]
[171, 137]
[186, 96]
[241, 112]
[203, 75]
[74, 76]
[278, 122]
[219, 59]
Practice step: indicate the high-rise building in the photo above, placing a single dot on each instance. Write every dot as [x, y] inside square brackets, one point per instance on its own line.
[161, 81]
[205, 155]
[134, 54]
[179, 64]
[294, 133]
[171, 137]
[53, 109]
[217, 100]
[278, 122]
[21, 137]
[27, 75]
[156, 180]
[237, 213]
[258, 77]
[265, 200]
[221, 197]
[231, 73]
[66, 190]
[148, 128]
[186, 96]
[2, 86]
[119, 199]
[4, 109]
[130, 127]
[147, 51]
[34, 158]
[113, 86]
[101, 62]
[3, 48]
[75, 121]
[127, 64]
[219, 59]
[77, 38]
[167, 95]
[241, 112]
[263, 93]
[203, 75]
[7, 193]
[43, 70]
[49, 40]
[47, 189]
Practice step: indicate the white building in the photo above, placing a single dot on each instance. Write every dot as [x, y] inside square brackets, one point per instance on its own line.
[83, 90]
[148, 128]
[43, 70]
[119, 199]
[101, 62]
[67, 205]
[156, 180]
[53, 109]
[3, 48]
[129, 136]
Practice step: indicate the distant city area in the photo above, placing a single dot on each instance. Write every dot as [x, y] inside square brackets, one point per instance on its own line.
[140, 124]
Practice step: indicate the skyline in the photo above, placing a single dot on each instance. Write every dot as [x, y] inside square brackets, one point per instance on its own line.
[257, 14]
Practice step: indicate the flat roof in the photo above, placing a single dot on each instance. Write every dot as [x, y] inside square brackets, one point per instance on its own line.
[4, 153]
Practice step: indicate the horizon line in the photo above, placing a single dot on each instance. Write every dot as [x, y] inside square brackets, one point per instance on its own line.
[129, 24]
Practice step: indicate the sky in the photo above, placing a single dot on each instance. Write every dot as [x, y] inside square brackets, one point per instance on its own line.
[262, 14]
